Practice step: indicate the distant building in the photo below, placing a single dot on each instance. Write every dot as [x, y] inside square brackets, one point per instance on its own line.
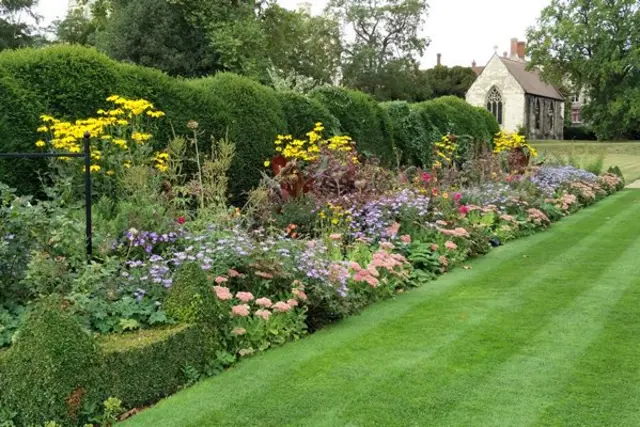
[517, 97]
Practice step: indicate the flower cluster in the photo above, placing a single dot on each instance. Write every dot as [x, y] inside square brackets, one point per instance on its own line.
[445, 150]
[505, 141]
[309, 149]
[549, 179]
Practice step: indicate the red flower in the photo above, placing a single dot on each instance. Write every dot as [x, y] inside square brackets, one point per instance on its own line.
[463, 210]
[426, 177]
[181, 220]
[435, 192]
[457, 197]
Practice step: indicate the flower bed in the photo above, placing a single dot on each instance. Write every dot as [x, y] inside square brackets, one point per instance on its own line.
[183, 285]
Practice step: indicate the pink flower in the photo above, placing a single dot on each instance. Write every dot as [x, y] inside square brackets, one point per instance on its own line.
[244, 296]
[281, 307]
[264, 302]
[406, 239]
[387, 246]
[392, 231]
[221, 279]
[434, 247]
[265, 314]
[241, 310]
[264, 275]
[457, 197]
[450, 245]
[245, 352]
[222, 293]
[299, 294]
[426, 177]
[464, 210]
[441, 223]
[233, 273]
[292, 302]
[444, 261]
[181, 220]
[335, 236]
[239, 331]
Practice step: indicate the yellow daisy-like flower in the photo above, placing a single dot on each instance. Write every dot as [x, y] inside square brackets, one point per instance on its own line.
[111, 173]
[43, 129]
[445, 195]
[267, 163]
[40, 143]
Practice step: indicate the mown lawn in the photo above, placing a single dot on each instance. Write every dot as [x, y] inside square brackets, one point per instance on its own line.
[626, 155]
[542, 332]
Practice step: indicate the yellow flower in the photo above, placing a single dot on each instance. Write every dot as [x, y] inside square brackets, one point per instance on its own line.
[40, 143]
[122, 122]
[445, 195]
[279, 149]
[110, 173]
[127, 164]
[43, 129]
[140, 137]
[267, 163]
[155, 114]
[47, 119]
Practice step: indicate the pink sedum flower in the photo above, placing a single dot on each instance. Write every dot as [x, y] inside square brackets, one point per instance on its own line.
[233, 273]
[435, 247]
[239, 331]
[335, 237]
[450, 245]
[264, 314]
[244, 296]
[241, 310]
[221, 279]
[387, 246]
[223, 293]
[299, 294]
[292, 302]
[406, 239]
[282, 307]
[264, 302]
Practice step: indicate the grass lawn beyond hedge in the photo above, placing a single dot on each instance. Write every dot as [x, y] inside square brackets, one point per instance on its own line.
[544, 331]
[625, 155]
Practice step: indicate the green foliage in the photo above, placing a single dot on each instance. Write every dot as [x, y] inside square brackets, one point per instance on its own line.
[412, 138]
[190, 299]
[302, 113]
[433, 116]
[490, 121]
[50, 369]
[144, 367]
[361, 118]
[15, 31]
[596, 165]
[464, 118]
[256, 120]
[616, 171]
[579, 133]
[445, 81]
[172, 44]
[595, 46]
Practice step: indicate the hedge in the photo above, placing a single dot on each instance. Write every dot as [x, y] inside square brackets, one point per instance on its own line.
[362, 118]
[256, 120]
[302, 113]
[490, 121]
[579, 133]
[413, 136]
[56, 370]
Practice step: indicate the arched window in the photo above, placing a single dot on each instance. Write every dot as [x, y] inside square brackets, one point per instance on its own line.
[536, 113]
[551, 115]
[495, 103]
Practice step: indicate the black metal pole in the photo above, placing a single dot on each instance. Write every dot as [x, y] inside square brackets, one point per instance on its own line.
[87, 193]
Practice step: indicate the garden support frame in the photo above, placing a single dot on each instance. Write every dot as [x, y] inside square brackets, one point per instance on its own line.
[86, 154]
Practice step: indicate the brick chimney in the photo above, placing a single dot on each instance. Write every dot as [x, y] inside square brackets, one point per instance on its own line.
[439, 59]
[521, 49]
[514, 48]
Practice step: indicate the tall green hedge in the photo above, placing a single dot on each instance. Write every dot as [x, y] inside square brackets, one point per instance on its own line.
[302, 113]
[413, 136]
[490, 121]
[362, 118]
[256, 120]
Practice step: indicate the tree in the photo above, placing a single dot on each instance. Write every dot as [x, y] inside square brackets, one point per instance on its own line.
[303, 45]
[172, 44]
[594, 45]
[445, 81]
[15, 31]
[75, 28]
[384, 31]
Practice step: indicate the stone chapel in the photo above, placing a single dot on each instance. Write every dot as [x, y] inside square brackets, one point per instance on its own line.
[518, 97]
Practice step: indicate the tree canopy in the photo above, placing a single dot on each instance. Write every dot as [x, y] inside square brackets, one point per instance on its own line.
[594, 46]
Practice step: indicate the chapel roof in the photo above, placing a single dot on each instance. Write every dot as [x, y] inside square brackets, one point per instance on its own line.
[530, 80]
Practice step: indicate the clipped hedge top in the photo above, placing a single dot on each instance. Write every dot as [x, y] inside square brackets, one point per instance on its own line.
[136, 340]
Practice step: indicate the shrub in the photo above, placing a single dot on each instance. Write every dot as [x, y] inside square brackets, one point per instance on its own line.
[190, 299]
[146, 366]
[360, 117]
[432, 115]
[302, 113]
[490, 122]
[465, 119]
[579, 133]
[50, 369]
[411, 135]
[256, 119]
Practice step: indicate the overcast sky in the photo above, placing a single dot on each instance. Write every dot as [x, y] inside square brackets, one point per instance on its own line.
[462, 30]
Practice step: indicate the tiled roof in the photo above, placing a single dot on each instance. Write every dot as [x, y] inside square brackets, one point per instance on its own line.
[477, 70]
[530, 80]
